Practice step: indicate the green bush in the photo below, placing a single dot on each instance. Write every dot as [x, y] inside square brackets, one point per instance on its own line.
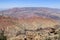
[2, 37]
[48, 38]
[59, 35]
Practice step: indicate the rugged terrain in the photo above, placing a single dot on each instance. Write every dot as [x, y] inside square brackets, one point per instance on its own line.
[30, 23]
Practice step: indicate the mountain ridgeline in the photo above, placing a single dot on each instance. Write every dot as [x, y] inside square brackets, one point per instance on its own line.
[32, 11]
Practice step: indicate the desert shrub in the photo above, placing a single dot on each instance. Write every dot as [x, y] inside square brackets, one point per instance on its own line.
[2, 37]
[59, 35]
[48, 38]
[58, 31]
[56, 38]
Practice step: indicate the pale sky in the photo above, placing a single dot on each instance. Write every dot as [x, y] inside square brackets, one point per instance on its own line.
[4, 4]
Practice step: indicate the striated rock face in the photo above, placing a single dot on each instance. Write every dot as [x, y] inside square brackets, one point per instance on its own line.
[35, 27]
[29, 24]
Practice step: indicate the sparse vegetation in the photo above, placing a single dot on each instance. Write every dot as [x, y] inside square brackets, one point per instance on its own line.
[2, 37]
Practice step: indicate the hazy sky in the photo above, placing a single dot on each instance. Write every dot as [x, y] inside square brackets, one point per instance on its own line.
[29, 3]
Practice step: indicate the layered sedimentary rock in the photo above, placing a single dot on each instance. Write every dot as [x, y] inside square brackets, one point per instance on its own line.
[30, 23]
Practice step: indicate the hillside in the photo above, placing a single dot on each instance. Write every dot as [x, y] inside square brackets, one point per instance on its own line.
[13, 26]
[21, 23]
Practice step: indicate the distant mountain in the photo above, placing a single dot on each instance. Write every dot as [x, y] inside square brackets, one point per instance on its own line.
[30, 11]
[1, 9]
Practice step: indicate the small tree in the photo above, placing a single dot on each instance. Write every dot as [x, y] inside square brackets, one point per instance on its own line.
[48, 38]
[2, 37]
[59, 36]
